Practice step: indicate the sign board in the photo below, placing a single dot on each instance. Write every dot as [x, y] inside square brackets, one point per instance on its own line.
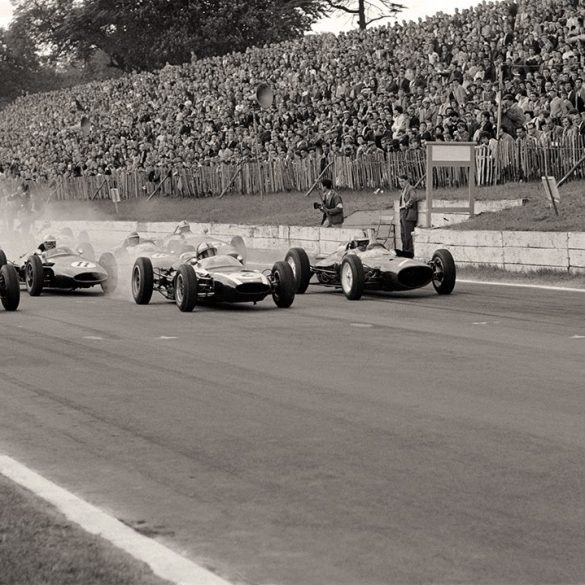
[115, 195]
[454, 155]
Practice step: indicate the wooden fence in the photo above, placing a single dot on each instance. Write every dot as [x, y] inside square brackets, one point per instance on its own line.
[526, 162]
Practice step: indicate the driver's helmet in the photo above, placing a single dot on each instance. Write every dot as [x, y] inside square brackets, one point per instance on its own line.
[183, 228]
[49, 243]
[133, 239]
[205, 250]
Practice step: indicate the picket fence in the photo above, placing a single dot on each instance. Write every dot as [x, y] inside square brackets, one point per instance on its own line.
[507, 163]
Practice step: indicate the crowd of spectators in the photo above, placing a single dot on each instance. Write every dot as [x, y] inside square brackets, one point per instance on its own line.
[390, 88]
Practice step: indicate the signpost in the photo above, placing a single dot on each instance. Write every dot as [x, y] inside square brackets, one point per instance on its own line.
[450, 154]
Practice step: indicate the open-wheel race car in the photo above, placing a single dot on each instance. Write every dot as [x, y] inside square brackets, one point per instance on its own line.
[166, 252]
[59, 267]
[364, 265]
[9, 285]
[204, 277]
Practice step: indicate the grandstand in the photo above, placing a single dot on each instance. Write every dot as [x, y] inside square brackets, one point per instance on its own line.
[374, 95]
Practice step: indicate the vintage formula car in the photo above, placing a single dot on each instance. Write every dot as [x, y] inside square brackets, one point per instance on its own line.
[9, 285]
[166, 252]
[61, 268]
[362, 265]
[213, 279]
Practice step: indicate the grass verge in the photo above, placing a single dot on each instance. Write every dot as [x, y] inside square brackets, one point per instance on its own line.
[272, 209]
[39, 546]
[536, 277]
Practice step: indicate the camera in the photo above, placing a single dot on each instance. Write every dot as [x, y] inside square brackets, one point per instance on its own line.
[316, 205]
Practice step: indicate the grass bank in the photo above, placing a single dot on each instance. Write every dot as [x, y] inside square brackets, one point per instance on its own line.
[40, 546]
[536, 277]
[272, 209]
[536, 215]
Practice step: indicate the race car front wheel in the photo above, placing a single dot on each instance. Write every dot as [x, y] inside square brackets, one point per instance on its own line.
[444, 272]
[238, 244]
[186, 288]
[9, 288]
[142, 281]
[283, 285]
[299, 262]
[108, 263]
[34, 276]
[352, 277]
[3, 259]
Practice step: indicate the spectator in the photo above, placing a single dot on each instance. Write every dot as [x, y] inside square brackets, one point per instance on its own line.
[408, 213]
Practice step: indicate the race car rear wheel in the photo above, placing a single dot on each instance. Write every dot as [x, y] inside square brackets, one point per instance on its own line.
[142, 281]
[352, 277]
[299, 262]
[444, 272]
[240, 247]
[3, 259]
[108, 262]
[85, 250]
[283, 285]
[34, 276]
[186, 288]
[83, 236]
[9, 287]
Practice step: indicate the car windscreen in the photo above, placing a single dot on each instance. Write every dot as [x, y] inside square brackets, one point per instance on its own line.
[220, 262]
[60, 251]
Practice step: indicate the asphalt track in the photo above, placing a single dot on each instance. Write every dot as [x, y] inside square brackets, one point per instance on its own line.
[401, 439]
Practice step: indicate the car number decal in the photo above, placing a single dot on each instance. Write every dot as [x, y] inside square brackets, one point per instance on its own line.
[83, 265]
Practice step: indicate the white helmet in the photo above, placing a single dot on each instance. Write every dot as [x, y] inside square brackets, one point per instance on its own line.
[49, 243]
[183, 227]
[205, 250]
[133, 239]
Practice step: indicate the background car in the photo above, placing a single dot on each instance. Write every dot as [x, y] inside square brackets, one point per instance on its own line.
[361, 265]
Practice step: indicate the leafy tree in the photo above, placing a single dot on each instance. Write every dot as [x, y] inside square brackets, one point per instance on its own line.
[147, 34]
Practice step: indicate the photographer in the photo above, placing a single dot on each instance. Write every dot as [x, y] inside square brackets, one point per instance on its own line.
[331, 205]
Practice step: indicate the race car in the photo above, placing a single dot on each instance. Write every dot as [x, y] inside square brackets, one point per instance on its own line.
[361, 265]
[167, 252]
[59, 267]
[80, 244]
[183, 240]
[9, 285]
[208, 277]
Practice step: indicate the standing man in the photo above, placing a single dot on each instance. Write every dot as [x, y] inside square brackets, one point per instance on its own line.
[408, 213]
[332, 206]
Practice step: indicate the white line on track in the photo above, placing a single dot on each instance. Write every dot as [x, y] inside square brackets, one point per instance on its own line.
[164, 562]
[518, 285]
[578, 337]
[93, 338]
[167, 338]
[364, 325]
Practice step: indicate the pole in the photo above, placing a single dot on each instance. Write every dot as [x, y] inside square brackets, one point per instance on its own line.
[258, 157]
[573, 168]
[231, 181]
[98, 189]
[159, 187]
[318, 179]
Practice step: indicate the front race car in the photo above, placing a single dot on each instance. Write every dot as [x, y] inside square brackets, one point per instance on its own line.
[217, 279]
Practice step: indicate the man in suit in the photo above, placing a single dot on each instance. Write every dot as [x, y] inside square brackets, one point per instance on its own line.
[332, 205]
[408, 213]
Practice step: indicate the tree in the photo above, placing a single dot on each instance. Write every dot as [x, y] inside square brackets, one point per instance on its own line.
[147, 34]
[366, 11]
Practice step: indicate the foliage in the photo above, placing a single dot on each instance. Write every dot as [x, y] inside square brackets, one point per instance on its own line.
[147, 34]
[366, 11]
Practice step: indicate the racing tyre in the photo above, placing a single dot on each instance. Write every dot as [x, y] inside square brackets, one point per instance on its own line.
[142, 281]
[108, 262]
[83, 237]
[9, 288]
[444, 272]
[298, 260]
[186, 288]
[67, 232]
[240, 246]
[283, 285]
[3, 259]
[85, 250]
[34, 276]
[352, 277]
